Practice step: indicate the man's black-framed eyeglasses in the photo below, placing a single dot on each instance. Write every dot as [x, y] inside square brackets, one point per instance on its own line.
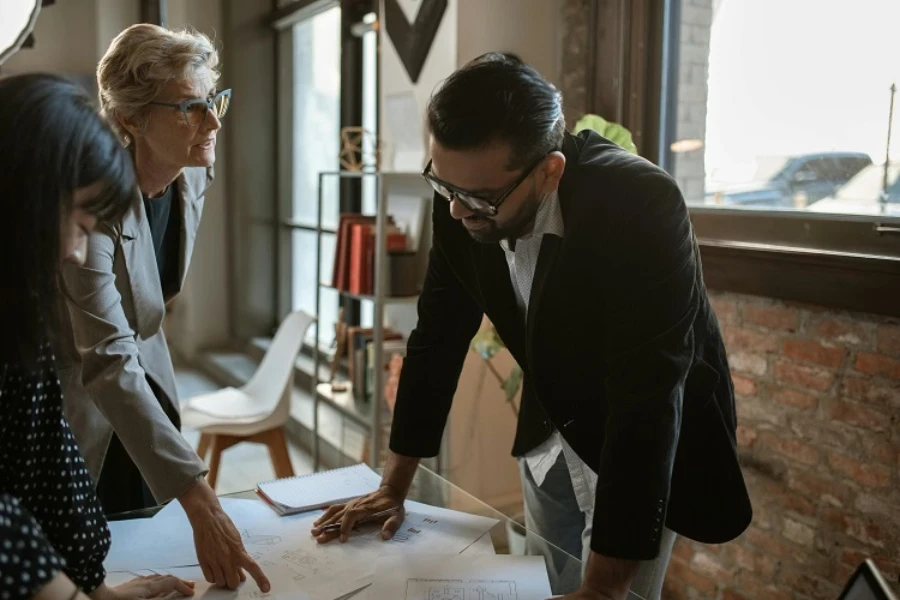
[477, 203]
[195, 110]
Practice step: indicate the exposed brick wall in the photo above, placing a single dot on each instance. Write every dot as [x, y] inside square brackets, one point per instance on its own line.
[818, 399]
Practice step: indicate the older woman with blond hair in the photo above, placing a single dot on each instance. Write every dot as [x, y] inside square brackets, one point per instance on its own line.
[158, 91]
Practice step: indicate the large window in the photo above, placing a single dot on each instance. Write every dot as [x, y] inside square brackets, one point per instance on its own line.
[783, 105]
[316, 141]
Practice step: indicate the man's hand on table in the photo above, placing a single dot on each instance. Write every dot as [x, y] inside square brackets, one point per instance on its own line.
[220, 550]
[347, 515]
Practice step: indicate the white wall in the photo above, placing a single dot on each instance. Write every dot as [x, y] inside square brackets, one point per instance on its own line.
[199, 316]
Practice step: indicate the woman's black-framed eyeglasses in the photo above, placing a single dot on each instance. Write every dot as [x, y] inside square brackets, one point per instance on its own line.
[195, 110]
[475, 202]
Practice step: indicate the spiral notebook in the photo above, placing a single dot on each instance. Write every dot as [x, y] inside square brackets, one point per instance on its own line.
[293, 495]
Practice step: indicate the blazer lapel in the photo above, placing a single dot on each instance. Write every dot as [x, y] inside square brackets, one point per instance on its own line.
[143, 277]
[190, 203]
[499, 298]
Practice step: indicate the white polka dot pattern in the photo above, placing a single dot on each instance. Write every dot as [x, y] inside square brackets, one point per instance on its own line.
[50, 517]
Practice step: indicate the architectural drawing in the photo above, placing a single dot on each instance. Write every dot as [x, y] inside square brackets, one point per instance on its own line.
[304, 564]
[249, 539]
[455, 589]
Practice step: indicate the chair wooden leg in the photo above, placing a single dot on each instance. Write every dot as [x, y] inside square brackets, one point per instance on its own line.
[203, 446]
[277, 444]
[219, 444]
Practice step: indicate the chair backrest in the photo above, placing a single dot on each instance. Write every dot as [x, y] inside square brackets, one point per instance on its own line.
[268, 383]
[867, 583]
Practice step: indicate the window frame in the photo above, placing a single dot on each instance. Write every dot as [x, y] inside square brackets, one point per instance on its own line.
[282, 20]
[844, 262]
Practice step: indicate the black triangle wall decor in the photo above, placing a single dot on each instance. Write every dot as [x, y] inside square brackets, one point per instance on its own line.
[413, 40]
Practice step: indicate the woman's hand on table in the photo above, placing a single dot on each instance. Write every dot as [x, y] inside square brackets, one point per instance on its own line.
[145, 588]
[220, 551]
[349, 514]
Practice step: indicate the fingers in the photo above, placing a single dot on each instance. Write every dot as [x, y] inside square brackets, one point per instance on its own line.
[349, 521]
[162, 586]
[326, 517]
[232, 576]
[208, 573]
[218, 575]
[256, 573]
[336, 517]
[393, 524]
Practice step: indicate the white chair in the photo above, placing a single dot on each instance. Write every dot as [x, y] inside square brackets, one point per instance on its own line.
[258, 411]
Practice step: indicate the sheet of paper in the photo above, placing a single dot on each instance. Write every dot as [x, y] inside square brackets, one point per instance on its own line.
[438, 577]
[167, 540]
[283, 546]
[484, 546]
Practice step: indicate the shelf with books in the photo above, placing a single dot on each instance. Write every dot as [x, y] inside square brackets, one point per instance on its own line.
[379, 258]
[371, 297]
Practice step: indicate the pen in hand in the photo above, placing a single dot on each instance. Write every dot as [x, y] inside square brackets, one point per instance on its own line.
[364, 520]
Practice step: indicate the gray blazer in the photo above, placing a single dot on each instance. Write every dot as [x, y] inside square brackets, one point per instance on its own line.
[111, 337]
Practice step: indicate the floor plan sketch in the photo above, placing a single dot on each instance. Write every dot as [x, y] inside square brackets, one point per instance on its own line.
[448, 589]
[304, 564]
[251, 539]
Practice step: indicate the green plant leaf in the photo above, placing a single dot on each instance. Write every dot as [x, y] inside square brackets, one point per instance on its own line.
[612, 131]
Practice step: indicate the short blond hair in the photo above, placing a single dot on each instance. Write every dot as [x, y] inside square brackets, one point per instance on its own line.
[138, 64]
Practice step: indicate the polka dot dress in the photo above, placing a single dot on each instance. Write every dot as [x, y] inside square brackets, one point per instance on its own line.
[50, 517]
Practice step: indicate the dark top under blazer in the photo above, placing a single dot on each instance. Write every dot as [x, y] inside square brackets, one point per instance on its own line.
[621, 351]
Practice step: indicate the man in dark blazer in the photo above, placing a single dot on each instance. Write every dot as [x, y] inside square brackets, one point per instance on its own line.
[583, 257]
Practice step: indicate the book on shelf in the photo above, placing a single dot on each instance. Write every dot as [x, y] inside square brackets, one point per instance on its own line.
[359, 342]
[354, 259]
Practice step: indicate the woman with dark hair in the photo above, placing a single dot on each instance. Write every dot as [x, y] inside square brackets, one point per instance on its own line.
[61, 171]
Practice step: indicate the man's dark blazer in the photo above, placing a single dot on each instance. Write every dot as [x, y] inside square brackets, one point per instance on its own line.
[621, 352]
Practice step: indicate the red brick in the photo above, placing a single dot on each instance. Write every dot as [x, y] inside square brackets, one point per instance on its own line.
[755, 562]
[813, 352]
[797, 399]
[772, 317]
[726, 310]
[819, 488]
[872, 506]
[858, 415]
[889, 567]
[744, 386]
[754, 408]
[800, 582]
[865, 529]
[789, 448]
[741, 338]
[799, 533]
[679, 571]
[754, 587]
[878, 364]
[845, 332]
[827, 433]
[882, 450]
[673, 590]
[770, 544]
[746, 437]
[765, 492]
[872, 392]
[869, 475]
[711, 566]
[683, 549]
[889, 339]
[747, 362]
[730, 594]
[800, 375]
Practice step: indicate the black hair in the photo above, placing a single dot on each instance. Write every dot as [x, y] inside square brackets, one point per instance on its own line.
[52, 142]
[498, 98]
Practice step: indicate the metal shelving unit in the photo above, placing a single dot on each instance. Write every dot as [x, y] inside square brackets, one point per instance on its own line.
[362, 413]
